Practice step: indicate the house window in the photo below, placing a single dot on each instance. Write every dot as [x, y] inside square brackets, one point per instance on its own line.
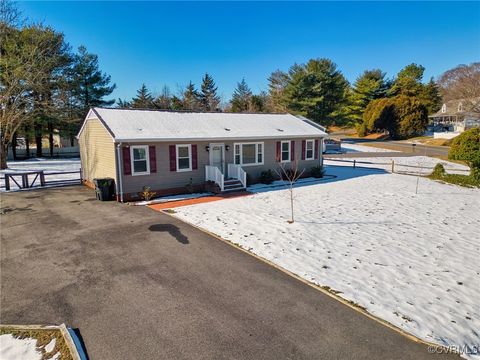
[309, 149]
[249, 153]
[460, 107]
[285, 151]
[444, 108]
[140, 160]
[184, 157]
[237, 154]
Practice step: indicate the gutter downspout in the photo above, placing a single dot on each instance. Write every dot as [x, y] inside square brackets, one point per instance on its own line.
[119, 183]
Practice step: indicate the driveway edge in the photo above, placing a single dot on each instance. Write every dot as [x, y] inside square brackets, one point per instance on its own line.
[316, 287]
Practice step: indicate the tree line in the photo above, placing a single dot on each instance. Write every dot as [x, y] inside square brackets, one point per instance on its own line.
[45, 86]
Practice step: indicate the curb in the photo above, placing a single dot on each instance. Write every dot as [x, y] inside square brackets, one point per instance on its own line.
[316, 287]
[63, 330]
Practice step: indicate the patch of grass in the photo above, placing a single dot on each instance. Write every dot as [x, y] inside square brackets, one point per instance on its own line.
[43, 337]
[457, 179]
[440, 174]
[428, 140]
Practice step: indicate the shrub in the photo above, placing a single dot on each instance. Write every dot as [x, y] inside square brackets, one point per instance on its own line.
[472, 180]
[466, 147]
[438, 171]
[147, 193]
[361, 129]
[267, 177]
[317, 172]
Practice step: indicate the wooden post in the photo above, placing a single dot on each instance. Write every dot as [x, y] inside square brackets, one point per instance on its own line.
[393, 166]
[42, 178]
[7, 182]
[354, 163]
[24, 181]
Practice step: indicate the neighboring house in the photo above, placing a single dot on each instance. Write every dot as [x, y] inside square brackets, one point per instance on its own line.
[454, 116]
[172, 152]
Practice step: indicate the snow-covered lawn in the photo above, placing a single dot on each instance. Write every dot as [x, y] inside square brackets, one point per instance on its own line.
[47, 165]
[412, 164]
[411, 259]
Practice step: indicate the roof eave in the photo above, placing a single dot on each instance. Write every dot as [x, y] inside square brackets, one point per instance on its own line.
[242, 138]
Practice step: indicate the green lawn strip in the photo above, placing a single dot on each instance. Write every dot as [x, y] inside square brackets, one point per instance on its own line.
[43, 337]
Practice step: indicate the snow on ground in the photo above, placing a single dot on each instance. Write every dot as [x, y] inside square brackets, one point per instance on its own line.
[411, 259]
[412, 164]
[47, 165]
[12, 348]
[353, 148]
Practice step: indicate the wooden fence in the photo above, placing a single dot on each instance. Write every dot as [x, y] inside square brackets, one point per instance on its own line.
[394, 167]
[40, 178]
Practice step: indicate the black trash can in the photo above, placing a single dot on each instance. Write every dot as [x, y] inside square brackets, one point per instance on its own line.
[104, 188]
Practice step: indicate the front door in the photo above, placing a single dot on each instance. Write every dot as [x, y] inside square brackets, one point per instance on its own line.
[216, 156]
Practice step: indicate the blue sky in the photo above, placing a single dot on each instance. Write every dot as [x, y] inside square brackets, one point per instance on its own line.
[172, 43]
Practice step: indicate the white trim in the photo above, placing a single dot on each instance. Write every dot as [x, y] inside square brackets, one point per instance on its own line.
[189, 146]
[147, 158]
[256, 163]
[313, 149]
[225, 139]
[289, 142]
[91, 115]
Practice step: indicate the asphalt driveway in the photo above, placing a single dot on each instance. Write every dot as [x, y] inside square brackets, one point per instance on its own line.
[141, 285]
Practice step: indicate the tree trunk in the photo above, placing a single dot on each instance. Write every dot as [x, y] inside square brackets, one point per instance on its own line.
[50, 138]
[38, 139]
[291, 201]
[3, 154]
[72, 140]
[14, 146]
[27, 146]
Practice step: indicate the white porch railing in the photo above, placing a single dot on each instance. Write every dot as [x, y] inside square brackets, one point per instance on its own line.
[236, 172]
[213, 173]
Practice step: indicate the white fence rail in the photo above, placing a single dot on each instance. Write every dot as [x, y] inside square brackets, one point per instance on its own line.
[212, 173]
[236, 172]
[57, 152]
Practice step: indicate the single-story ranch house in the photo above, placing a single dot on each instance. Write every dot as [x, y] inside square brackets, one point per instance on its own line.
[172, 152]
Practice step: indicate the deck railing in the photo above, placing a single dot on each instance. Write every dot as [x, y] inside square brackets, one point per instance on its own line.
[236, 172]
[213, 173]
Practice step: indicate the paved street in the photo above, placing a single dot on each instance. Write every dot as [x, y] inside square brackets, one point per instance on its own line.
[141, 285]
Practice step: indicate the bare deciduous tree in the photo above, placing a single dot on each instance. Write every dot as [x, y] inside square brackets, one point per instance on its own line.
[290, 174]
[462, 83]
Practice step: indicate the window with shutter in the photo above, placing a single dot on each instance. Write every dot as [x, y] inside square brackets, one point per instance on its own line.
[139, 155]
[309, 149]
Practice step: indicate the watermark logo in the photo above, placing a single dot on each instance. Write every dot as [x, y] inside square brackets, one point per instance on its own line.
[455, 349]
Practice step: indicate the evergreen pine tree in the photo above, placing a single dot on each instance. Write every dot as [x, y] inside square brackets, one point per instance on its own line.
[408, 81]
[369, 86]
[241, 98]
[143, 100]
[209, 99]
[191, 98]
[91, 86]
[317, 90]
[123, 104]
[431, 97]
